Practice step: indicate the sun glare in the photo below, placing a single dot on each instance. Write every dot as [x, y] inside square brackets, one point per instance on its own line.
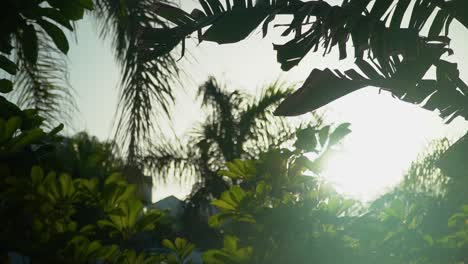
[361, 174]
[387, 135]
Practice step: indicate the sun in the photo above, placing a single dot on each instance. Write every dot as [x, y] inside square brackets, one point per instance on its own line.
[387, 135]
[359, 175]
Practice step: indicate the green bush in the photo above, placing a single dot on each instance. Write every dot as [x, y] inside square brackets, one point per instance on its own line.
[278, 213]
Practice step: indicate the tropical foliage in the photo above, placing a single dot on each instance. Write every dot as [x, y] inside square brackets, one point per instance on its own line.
[32, 38]
[67, 200]
[32, 49]
[55, 218]
[148, 80]
[390, 53]
[279, 215]
[236, 126]
[400, 55]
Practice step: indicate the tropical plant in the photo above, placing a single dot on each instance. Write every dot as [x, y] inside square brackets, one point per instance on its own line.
[237, 126]
[414, 223]
[398, 66]
[279, 213]
[49, 217]
[34, 32]
[54, 218]
[282, 212]
[64, 220]
[392, 54]
[32, 50]
[83, 155]
[147, 80]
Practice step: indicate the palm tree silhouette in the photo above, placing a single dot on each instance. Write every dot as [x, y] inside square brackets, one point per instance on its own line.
[237, 126]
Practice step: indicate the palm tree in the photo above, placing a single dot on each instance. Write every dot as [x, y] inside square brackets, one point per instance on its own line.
[146, 82]
[42, 82]
[147, 79]
[237, 127]
[33, 47]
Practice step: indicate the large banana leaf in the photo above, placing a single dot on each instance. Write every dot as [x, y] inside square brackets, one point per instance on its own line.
[392, 53]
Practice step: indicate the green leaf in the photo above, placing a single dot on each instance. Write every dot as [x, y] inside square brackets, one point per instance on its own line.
[106, 223]
[88, 229]
[51, 182]
[339, 133]
[66, 185]
[428, 239]
[93, 247]
[37, 174]
[29, 44]
[168, 244]
[113, 178]
[323, 135]
[56, 34]
[230, 243]
[236, 194]
[180, 243]
[223, 205]
[56, 16]
[71, 9]
[88, 4]
[229, 174]
[319, 89]
[235, 25]
[107, 252]
[6, 86]
[7, 65]
[56, 130]
[13, 124]
[306, 139]
[27, 138]
[438, 23]
[174, 14]
[214, 221]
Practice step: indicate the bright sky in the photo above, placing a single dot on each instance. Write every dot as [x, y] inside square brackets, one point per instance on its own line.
[387, 134]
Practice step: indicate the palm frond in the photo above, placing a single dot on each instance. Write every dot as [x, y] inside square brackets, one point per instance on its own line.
[171, 159]
[147, 80]
[44, 86]
[221, 121]
[258, 116]
[213, 143]
[222, 103]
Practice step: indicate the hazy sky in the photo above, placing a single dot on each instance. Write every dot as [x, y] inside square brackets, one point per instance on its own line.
[387, 133]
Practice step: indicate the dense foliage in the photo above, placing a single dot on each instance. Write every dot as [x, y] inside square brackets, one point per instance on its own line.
[393, 55]
[395, 44]
[278, 215]
[51, 217]
[32, 47]
[236, 126]
[67, 200]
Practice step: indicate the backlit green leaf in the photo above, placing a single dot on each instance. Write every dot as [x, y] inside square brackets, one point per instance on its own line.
[56, 35]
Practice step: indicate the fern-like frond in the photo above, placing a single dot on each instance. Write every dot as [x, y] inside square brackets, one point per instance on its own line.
[256, 119]
[44, 86]
[147, 81]
[171, 160]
